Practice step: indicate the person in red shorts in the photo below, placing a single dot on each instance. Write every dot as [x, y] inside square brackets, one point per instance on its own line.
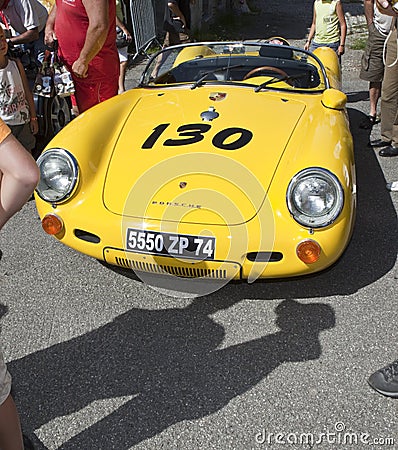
[86, 35]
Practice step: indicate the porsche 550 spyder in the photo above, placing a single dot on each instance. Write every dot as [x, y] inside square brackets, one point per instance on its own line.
[229, 160]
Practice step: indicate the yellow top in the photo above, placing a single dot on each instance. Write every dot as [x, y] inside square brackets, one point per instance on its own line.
[4, 130]
[327, 26]
[119, 11]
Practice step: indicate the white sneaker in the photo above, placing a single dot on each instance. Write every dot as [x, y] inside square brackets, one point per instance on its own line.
[393, 186]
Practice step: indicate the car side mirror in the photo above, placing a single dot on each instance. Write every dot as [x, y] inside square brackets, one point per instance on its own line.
[334, 99]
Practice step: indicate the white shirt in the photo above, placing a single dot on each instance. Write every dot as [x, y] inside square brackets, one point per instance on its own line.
[14, 108]
[382, 22]
[26, 14]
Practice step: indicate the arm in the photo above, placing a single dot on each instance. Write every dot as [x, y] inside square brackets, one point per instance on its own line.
[26, 22]
[97, 31]
[34, 125]
[385, 8]
[311, 32]
[122, 26]
[49, 31]
[177, 12]
[19, 176]
[368, 10]
[26, 37]
[343, 27]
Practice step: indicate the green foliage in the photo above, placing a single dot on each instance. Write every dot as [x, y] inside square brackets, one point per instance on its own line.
[359, 43]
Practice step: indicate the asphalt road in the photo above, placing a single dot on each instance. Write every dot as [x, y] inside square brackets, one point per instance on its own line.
[103, 361]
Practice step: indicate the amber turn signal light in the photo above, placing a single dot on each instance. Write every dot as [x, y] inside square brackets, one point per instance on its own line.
[308, 251]
[52, 224]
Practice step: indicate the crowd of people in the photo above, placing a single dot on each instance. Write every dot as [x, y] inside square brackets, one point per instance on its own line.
[85, 31]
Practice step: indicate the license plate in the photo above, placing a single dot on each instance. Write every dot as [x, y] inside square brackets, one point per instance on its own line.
[171, 244]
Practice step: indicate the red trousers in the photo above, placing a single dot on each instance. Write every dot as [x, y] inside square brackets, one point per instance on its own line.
[89, 94]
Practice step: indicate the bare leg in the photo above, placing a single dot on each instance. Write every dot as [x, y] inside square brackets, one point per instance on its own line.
[374, 95]
[19, 176]
[122, 76]
[10, 428]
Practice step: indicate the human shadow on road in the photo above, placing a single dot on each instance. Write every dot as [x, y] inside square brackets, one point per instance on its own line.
[168, 361]
[359, 96]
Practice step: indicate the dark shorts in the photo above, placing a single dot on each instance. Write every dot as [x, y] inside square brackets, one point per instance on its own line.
[24, 135]
[372, 66]
[333, 45]
[176, 38]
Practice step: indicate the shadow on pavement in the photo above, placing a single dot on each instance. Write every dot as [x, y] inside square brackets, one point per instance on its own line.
[360, 96]
[167, 361]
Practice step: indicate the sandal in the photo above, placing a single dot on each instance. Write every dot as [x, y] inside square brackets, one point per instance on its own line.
[368, 123]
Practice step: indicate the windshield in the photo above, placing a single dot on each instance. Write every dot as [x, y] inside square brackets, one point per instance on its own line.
[259, 65]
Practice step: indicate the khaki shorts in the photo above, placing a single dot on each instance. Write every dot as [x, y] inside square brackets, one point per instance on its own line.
[5, 380]
[372, 66]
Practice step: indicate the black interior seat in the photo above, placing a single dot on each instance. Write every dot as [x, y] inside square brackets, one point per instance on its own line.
[276, 51]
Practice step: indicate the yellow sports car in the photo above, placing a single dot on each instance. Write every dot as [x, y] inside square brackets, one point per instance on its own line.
[230, 160]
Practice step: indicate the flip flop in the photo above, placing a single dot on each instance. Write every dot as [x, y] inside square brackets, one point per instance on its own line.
[368, 123]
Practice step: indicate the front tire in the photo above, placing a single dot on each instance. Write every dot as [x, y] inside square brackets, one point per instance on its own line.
[54, 113]
[59, 113]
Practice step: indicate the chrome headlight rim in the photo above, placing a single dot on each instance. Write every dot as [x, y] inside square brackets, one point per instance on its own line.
[322, 220]
[73, 165]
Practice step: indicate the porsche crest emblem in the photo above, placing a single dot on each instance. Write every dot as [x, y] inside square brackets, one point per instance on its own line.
[217, 96]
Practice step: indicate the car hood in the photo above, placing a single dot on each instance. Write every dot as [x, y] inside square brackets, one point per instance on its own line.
[200, 156]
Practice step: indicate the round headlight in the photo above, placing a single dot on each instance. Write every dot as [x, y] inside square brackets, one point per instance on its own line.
[315, 197]
[58, 175]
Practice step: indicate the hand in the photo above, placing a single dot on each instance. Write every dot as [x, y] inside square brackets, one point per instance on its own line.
[383, 3]
[49, 38]
[80, 69]
[181, 19]
[127, 34]
[34, 125]
[385, 7]
[340, 50]
[307, 46]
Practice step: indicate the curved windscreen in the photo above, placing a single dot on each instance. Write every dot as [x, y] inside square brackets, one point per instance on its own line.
[258, 65]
